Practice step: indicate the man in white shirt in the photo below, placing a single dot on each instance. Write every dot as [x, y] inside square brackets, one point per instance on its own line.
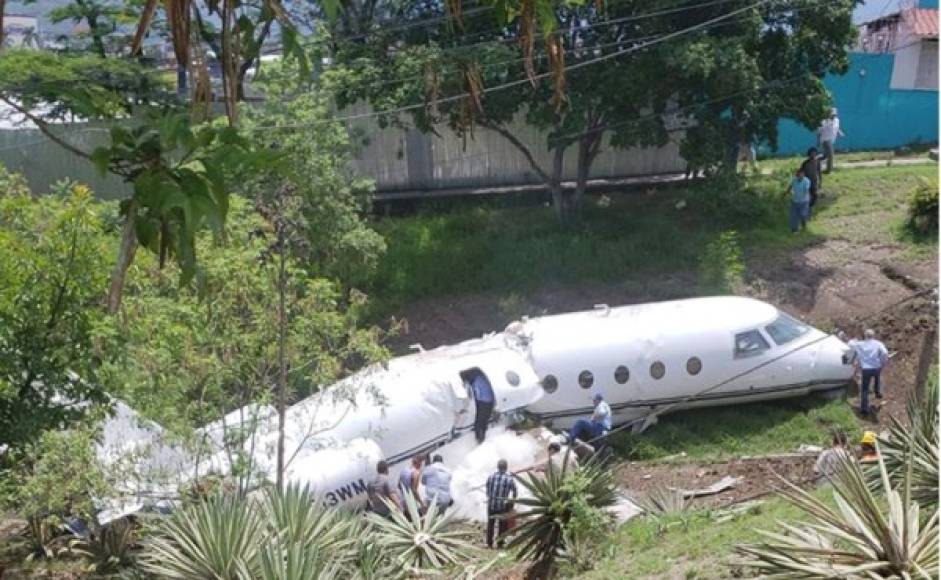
[437, 481]
[872, 356]
[600, 422]
[827, 135]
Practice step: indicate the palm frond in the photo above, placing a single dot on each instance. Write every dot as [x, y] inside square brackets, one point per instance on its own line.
[216, 538]
[914, 445]
[864, 537]
[421, 542]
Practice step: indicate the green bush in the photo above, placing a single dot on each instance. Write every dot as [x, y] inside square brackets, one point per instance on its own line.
[59, 477]
[923, 210]
[721, 266]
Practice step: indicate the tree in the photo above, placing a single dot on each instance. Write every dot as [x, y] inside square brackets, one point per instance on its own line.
[186, 361]
[629, 74]
[52, 272]
[313, 206]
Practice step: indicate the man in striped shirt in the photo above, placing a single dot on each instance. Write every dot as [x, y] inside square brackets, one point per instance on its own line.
[500, 486]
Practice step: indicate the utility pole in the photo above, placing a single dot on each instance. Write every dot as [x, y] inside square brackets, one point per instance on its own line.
[282, 324]
[925, 358]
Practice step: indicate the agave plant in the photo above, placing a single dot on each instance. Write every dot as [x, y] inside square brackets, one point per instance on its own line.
[663, 501]
[297, 562]
[296, 516]
[558, 500]
[109, 547]
[865, 537]
[914, 446]
[217, 538]
[419, 543]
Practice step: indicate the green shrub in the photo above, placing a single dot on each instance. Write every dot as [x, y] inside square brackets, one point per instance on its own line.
[923, 210]
[721, 265]
[58, 478]
[565, 514]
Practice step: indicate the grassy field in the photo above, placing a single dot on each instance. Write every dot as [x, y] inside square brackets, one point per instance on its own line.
[690, 546]
[756, 429]
[505, 249]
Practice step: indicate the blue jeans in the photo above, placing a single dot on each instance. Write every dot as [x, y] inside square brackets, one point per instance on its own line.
[586, 430]
[868, 376]
[800, 211]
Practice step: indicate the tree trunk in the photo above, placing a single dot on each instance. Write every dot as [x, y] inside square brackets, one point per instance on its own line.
[588, 148]
[282, 362]
[125, 256]
[562, 200]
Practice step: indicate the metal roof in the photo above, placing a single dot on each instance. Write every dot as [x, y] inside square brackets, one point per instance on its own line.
[923, 22]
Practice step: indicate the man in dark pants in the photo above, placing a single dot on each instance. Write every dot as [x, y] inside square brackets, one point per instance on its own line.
[811, 169]
[500, 486]
[871, 355]
[484, 399]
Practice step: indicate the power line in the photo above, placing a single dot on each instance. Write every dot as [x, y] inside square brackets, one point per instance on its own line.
[675, 8]
[515, 83]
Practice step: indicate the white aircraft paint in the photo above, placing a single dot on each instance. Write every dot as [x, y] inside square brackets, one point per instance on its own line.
[419, 403]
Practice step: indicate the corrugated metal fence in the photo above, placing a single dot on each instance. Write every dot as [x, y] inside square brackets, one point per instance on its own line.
[397, 160]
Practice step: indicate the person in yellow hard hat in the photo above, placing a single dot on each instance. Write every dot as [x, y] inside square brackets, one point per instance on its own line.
[868, 453]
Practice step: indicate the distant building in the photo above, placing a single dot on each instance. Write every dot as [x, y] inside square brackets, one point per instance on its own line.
[21, 31]
[911, 35]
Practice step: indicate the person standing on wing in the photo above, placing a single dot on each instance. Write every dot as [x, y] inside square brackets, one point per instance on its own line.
[827, 135]
[599, 423]
[484, 399]
[872, 356]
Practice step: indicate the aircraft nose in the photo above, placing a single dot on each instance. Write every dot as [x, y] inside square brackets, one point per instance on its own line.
[835, 358]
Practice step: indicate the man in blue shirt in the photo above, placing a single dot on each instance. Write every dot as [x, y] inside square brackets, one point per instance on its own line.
[800, 201]
[484, 399]
[871, 355]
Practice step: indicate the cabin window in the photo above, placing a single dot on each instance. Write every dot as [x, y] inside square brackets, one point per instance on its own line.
[586, 379]
[512, 378]
[750, 343]
[621, 375]
[693, 365]
[550, 384]
[657, 370]
[785, 329]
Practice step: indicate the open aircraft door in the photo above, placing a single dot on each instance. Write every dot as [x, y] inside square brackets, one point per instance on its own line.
[515, 384]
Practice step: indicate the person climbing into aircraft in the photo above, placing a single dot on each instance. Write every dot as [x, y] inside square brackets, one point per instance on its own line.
[380, 489]
[437, 481]
[872, 356]
[597, 425]
[500, 488]
[484, 399]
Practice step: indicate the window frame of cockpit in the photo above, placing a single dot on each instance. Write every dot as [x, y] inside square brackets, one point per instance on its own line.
[741, 355]
[788, 318]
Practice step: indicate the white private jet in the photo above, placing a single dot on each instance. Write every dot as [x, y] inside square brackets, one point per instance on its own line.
[646, 360]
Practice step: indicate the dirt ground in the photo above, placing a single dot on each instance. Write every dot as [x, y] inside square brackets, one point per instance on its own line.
[759, 475]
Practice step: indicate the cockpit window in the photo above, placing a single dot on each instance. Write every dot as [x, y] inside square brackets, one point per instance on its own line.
[785, 329]
[750, 343]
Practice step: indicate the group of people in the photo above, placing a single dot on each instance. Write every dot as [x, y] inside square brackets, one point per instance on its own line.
[808, 179]
[384, 496]
[431, 473]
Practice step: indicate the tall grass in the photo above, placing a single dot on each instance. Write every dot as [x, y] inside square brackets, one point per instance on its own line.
[512, 249]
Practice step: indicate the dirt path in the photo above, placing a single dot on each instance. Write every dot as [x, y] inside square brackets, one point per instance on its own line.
[759, 476]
